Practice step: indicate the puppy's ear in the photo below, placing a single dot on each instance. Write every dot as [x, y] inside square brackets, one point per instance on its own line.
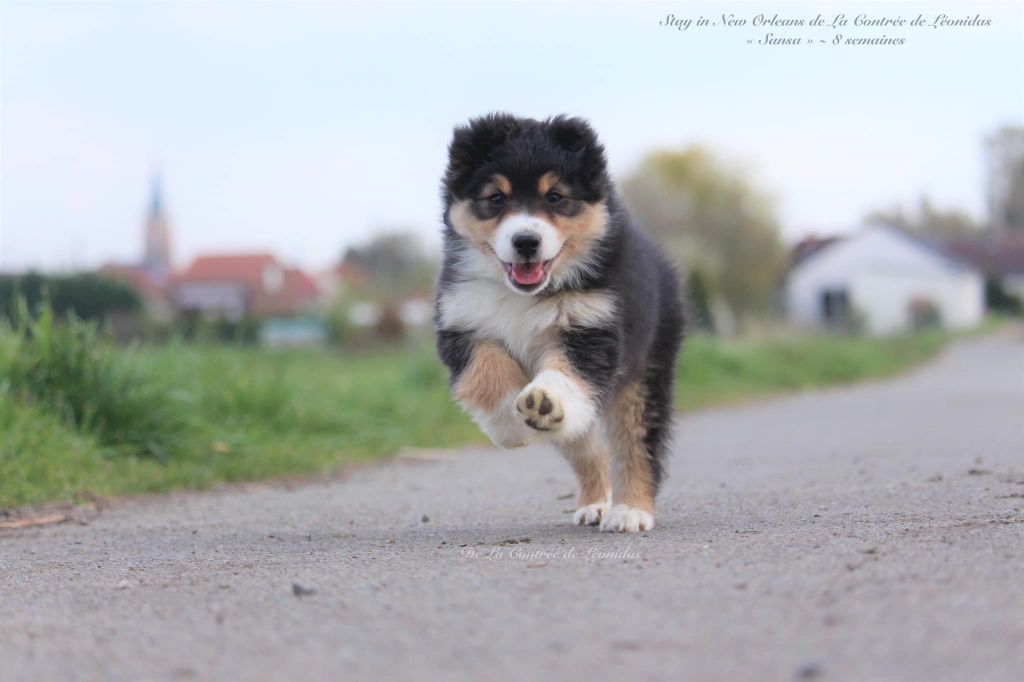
[586, 154]
[471, 144]
[461, 150]
[573, 134]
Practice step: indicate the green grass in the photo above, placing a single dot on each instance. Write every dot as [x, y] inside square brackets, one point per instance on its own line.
[79, 418]
[713, 372]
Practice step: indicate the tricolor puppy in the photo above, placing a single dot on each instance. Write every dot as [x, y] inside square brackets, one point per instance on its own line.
[557, 318]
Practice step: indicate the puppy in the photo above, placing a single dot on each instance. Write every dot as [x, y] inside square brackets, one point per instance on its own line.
[557, 318]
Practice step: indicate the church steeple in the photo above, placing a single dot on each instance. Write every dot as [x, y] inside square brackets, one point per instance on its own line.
[156, 257]
[155, 202]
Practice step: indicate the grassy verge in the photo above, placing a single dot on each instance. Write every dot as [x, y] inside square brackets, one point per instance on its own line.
[713, 372]
[80, 418]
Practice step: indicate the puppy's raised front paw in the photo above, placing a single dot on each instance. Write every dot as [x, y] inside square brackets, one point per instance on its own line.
[556, 405]
[625, 519]
[542, 411]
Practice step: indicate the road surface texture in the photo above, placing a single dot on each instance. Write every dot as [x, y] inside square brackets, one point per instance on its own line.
[868, 533]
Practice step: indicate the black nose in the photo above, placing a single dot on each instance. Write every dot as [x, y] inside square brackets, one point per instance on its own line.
[526, 244]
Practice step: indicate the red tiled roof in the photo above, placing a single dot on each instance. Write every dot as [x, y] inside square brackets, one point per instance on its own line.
[246, 268]
[296, 292]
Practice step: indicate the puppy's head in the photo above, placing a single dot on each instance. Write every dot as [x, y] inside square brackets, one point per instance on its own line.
[529, 197]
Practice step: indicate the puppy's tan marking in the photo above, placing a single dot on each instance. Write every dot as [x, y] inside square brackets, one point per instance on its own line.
[579, 232]
[469, 226]
[585, 226]
[632, 479]
[489, 378]
[503, 184]
[547, 182]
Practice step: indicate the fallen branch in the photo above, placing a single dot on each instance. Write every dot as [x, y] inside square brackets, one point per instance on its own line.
[46, 520]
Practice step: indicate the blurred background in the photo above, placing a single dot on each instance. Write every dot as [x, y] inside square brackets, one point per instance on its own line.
[187, 187]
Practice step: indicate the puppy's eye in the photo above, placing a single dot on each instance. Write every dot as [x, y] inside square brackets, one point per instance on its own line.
[497, 199]
[553, 197]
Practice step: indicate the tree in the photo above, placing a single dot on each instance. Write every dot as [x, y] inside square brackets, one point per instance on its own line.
[927, 221]
[713, 221]
[395, 265]
[1005, 154]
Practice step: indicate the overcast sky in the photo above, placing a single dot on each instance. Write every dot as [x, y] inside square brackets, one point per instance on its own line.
[302, 128]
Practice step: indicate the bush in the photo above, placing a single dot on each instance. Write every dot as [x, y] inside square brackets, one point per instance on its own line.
[696, 292]
[192, 326]
[67, 370]
[999, 300]
[87, 296]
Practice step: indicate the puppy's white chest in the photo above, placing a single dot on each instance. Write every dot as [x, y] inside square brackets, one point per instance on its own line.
[494, 312]
[525, 324]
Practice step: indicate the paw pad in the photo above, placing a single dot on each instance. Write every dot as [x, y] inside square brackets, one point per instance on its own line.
[540, 410]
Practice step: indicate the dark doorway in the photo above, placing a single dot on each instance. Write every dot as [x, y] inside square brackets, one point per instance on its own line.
[835, 308]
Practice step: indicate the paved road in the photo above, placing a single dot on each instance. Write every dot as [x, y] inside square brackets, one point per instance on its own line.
[872, 533]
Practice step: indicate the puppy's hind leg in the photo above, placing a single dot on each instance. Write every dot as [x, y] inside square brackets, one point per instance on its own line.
[636, 468]
[589, 459]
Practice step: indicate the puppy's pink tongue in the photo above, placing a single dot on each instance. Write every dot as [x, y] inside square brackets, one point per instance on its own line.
[527, 273]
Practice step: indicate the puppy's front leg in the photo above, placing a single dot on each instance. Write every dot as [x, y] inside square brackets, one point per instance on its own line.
[487, 387]
[558, 402]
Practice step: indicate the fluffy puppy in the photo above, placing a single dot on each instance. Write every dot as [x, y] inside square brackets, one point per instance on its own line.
[558, 319]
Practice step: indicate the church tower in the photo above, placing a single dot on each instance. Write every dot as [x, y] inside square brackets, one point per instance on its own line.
[156, 257]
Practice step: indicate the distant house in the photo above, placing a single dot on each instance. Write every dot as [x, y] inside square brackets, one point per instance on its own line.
[409, 312]
[998, 254]
[243, 285]
[881, 280]
[222, 287]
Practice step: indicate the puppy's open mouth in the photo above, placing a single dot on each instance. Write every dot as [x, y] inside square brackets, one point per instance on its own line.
[528, 276]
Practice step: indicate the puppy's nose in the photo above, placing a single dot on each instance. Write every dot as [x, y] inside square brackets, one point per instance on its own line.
[526, 244]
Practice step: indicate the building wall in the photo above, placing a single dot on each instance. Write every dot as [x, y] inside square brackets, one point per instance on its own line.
[883, 271]
[224, 299]
[885, 299]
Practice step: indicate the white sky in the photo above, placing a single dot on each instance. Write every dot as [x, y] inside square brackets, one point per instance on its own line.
[302, 128]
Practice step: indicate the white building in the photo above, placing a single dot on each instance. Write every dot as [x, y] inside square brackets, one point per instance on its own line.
[885, 280]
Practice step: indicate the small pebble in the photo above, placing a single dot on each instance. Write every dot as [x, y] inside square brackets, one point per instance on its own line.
[300, 591]
[809, 671]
